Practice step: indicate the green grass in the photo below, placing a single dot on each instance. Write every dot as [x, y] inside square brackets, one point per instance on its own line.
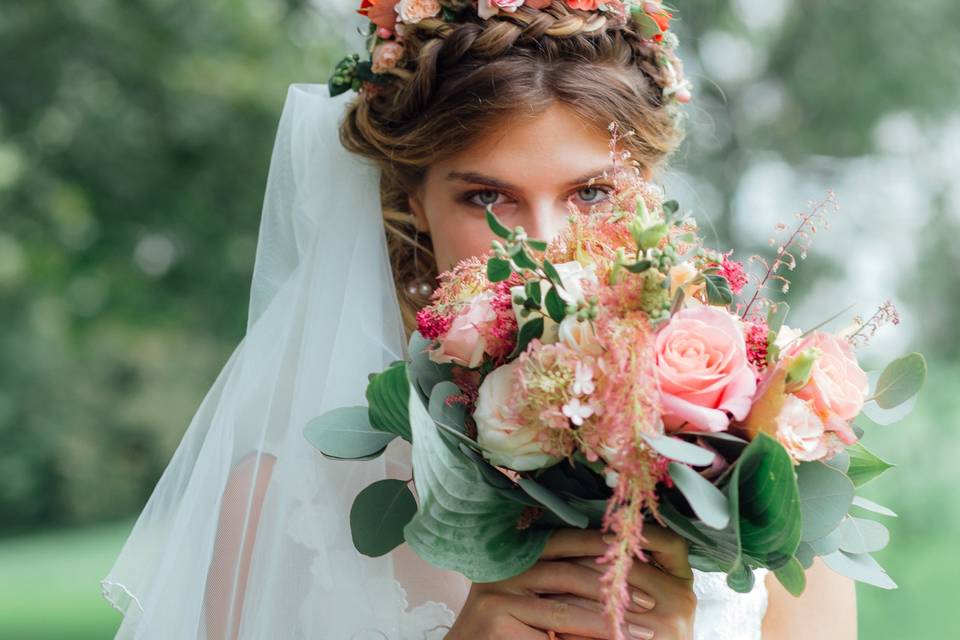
[49, 584]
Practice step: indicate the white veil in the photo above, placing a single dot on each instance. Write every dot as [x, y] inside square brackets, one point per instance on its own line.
[323, 315]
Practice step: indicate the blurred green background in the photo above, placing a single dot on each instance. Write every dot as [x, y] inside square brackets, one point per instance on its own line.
[135, 137]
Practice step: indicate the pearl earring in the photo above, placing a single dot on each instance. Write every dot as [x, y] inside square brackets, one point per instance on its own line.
[421, 289]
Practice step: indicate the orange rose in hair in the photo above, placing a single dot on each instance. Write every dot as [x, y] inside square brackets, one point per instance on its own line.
[583, 5]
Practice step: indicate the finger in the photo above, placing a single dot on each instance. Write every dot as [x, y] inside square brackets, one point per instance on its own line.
[571, 577]
[597, 607]
[561, 617]
[571, 543]
[668, 549]
[641, 598]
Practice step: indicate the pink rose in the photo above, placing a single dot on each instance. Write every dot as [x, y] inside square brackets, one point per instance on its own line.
[464, 344]
[386, 56]
[489, 8]
[801, 431]
[837, 387]
[702, 370]
[412, 11]
[584, 5]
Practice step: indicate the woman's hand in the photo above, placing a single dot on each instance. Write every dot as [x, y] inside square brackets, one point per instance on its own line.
[562, 593]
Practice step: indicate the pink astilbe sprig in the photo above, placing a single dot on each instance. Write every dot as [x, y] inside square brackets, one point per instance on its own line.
[756, 334]
[733, 272]
[790, 250]
[501, 336]
[866, 329]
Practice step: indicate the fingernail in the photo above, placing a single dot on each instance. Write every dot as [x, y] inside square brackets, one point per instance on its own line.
[609, 538]
[636, 631]
[643, 600]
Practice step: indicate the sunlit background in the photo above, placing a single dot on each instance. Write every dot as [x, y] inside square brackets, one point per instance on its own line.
[135, 138]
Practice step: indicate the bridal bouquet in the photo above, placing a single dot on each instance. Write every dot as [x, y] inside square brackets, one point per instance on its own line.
[617, 375]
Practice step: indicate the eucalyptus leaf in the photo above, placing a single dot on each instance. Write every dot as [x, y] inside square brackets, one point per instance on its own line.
[825, 497]
[422, 371]
[840, 461]
[864, 465]
[463, 523]
[346, 434]
[873, 507]
[860, 567]
[881, 416]
[859, 535]
[828, 543]
[805, 554]
[452, 415]
[680, 450]
[706, 500]
[554, 503]
[901, 380]
[378, 516]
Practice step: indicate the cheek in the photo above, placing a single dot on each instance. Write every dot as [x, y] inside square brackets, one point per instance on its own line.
[456, 239]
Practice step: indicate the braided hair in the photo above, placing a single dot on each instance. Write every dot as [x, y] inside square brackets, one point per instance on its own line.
[464, 77]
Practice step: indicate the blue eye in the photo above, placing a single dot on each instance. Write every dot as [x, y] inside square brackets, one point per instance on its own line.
[592, 194]
[484, 198]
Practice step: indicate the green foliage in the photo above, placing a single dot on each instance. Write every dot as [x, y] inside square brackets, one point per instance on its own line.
[378, 516]
[346, 433]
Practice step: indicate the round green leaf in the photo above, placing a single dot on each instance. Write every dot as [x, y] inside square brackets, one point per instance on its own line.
[680, 450]
[825, 497]
[346, 433]
[858, 535]
[900, 381]
[378, 516]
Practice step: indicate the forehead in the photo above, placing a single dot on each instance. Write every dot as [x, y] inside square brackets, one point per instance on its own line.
[550, 147]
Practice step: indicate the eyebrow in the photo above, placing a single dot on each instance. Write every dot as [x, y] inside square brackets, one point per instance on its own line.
[479, 178]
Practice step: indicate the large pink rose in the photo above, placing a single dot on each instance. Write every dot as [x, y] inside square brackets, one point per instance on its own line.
[837, 387]
[464, 343]
[702, 370]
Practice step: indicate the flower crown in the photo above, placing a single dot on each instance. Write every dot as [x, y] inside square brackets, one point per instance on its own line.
[390, 18]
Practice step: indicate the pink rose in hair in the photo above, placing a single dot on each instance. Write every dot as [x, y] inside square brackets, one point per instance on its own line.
[584, 5]
[837, 387]
[489, 8]
[413, 11]
[702, 370]
[464, 343]
[386, 56]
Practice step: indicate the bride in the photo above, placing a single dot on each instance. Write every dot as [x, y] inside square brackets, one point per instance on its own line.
[503, 103]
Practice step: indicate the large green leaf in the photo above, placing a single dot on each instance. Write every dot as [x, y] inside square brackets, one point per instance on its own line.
[864, 465]
[464, 524]
[424, 372]
[346, 433]
[763, 494]
[792, 577]
[378, 516]
[825, 497]
[388, 394]
[900, 381]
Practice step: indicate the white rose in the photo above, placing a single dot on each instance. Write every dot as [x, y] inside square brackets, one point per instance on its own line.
[680, 276]
[573, 275]
[800, 430]
[506, 443]
[786, 335]
[413, 11]
[579, 336]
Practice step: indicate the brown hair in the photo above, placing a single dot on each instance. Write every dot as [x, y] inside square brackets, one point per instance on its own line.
[467, 76]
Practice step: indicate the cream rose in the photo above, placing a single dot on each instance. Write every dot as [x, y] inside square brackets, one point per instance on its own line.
[837, 387]
[801, 431]
[386, 56]
[464, 343]
[680, 276]
[506, 443]
[702, 370]
[579, 336]
[412, 11]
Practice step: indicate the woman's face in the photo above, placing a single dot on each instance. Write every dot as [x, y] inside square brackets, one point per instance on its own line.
[529, 169]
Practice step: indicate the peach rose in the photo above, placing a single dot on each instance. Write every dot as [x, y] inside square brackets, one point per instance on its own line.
[506, 443]
[702, 370]
[681, 276]
[801, 431]
[386, 56]
[464, 343]
[413, 11]
[579, 336]
[837, 387]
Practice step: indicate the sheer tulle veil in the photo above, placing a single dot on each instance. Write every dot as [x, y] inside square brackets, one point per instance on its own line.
[323, 315]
